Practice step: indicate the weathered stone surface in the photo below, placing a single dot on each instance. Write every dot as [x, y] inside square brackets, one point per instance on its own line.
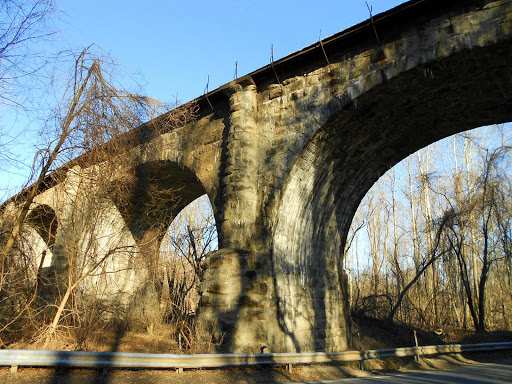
[286, 165]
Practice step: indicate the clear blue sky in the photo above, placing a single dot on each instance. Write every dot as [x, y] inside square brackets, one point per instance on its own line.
[176, 45]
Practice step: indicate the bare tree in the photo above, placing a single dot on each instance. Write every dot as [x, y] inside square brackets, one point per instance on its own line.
[191, 236]
[94, 109]
[24, 25]
[92, 121]
[448, 270]
[97, 249]
[484, 205]
[429, 260]
[26, 52]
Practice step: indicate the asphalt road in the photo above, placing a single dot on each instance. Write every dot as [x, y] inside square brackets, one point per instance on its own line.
[468, 374]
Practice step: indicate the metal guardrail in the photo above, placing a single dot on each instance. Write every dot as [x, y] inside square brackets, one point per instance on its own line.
[75, 359]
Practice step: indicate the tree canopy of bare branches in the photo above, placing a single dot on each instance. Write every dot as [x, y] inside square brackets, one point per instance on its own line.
[436, 251]
[24, 25]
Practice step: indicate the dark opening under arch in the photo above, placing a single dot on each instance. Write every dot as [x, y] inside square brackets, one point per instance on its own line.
[44, 220]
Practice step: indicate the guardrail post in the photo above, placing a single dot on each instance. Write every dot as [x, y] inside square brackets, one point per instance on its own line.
[179, 370]
[417, 357]
[361, 363]
[289, 367]
[14, 369]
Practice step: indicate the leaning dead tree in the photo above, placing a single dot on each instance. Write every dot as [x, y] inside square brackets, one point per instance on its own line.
[87, 134]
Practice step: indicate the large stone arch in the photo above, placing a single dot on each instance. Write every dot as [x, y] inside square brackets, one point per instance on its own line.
[358, 143]
[325, 133]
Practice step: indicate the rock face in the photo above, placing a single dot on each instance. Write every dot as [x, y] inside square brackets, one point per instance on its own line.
[286, 162]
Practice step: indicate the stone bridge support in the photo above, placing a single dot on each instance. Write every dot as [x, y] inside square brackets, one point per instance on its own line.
[86, 229]
[240, 200]
[258, 297]
[236, 309]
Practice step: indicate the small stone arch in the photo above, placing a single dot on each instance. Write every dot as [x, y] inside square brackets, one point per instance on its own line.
[42, 220]
[151, 194]
[149, 197]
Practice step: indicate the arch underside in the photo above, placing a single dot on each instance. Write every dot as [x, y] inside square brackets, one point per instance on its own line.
[43, 219]
[349, 153]
[37, 238]
[151, 195]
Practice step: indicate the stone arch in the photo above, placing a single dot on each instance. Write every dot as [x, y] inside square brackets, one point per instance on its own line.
[44, 220]
[40, 231]
[151, 194]
[359, 142]
[148, 197]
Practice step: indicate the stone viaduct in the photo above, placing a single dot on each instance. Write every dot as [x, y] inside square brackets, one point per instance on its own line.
[286, 153]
